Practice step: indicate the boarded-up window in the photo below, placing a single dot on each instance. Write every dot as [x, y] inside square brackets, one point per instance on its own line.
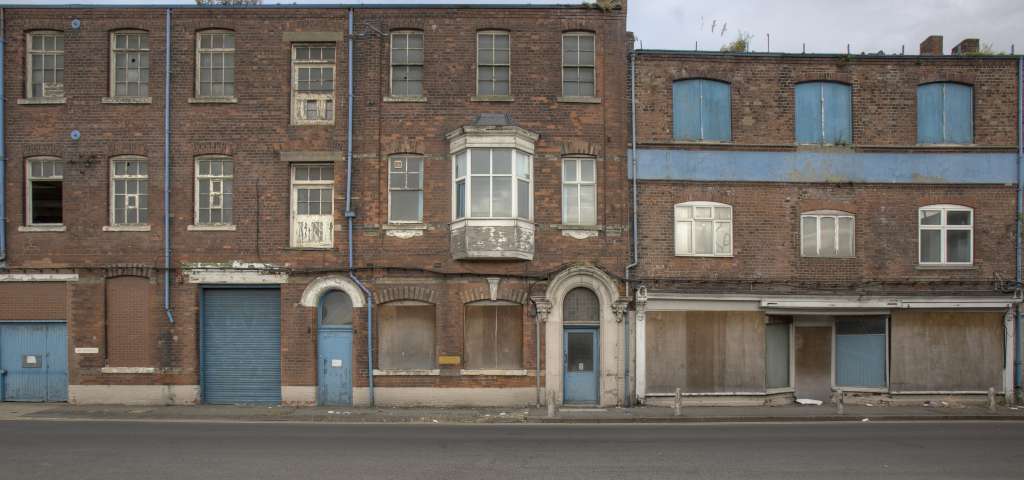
[946, 351]
[494, 337]
[128, 322]
[705, 352]
[945, 113]
[777, 363]
[407, 337]
[701, 110]
[581, 306]
[824, 113]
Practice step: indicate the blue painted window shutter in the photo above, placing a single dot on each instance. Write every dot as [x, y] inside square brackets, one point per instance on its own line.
[823, 113]
[945, 113]
[701, 110]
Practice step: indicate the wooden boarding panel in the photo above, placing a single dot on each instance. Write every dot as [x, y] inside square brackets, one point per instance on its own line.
[946, 351]
[813, 367]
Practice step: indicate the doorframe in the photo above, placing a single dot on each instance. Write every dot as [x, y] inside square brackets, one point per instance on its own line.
[202, 324]
[596, 329]
[351, 349]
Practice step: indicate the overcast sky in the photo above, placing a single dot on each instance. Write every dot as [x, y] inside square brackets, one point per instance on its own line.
[823, 25]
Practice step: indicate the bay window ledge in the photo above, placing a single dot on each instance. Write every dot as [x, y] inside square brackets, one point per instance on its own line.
[492, 239]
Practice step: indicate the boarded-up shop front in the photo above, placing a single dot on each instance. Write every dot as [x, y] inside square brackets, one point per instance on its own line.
[704, 352]
[950, 351]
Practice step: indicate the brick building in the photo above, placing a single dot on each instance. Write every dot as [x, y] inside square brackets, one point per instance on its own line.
[816, 223]
[206, 242]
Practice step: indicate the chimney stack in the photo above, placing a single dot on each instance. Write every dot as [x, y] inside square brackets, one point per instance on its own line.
[968, 46]
[932, 45]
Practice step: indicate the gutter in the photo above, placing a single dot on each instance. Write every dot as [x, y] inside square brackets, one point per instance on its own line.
[3, 148]
[351, 215]
[1018, 372]
[636, 244]
[167, 166]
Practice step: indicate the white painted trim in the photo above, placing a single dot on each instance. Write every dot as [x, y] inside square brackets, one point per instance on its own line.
[126, 228]
[641, 354]
[702, 305]
[42, 228]
[939, 392]
[1010, 345]
[445, 397]
[211, 228]
[300, 396]
[495, 372]
[86, 350]
[38, 277]
[128, 370]
[407, 372]
[133, 394]
[321, 285]
[235, 276]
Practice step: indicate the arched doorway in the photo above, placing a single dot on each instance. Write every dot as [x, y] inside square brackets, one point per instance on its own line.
[581, 318]
[334, 348]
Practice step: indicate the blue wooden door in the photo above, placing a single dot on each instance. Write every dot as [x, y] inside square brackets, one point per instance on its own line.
[334, 347]
[581, 365]
[33, 362]
[241, 346]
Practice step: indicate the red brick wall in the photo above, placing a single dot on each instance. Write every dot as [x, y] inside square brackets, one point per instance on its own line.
[884, 94]
[766, 237]
[257, 129]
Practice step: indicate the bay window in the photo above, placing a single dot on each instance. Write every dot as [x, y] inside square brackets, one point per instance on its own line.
[493, 183]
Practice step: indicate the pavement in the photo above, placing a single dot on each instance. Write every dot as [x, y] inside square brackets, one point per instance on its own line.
[645, 414]
[86, 450]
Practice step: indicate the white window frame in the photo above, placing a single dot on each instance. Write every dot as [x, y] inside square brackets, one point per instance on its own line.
[199, 177]
[326, 102]
[115, 50]
[579, 66]
[516, 175]
[142, 179]
[29, 179]
[404, 158]
[391, 52]
[508, 65]
[579, 183]
[835, 215]
[944, 228]
[224, 50]
[29, 51]
[714, 225]
[327, 219]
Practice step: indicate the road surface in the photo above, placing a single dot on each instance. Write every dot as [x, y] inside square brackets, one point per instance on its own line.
[227, 451]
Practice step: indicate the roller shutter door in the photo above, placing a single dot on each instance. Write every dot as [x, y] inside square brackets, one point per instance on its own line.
[241, 346]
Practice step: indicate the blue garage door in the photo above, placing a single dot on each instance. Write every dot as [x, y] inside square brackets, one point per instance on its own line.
[241, 346]
[33, 362]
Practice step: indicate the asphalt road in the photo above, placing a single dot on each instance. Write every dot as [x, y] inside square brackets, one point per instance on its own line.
[226, 451]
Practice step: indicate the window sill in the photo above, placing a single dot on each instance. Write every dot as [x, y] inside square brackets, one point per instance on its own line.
[211, 228]
[42, 101]
[128, 370]
[579, 232]
[704, 256]
[579, 99]
[126, 100]
[394, 99]
[407, 372]
[495, 373]
[404, 230]
[492, 98]
[213, 100]
[822, 257]
[311, 123]
[310, 249]
[42, 228]
[126, 228]
[945, 267]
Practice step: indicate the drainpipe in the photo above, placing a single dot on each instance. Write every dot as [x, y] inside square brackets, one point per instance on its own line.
[350, 215]
[636, 245]
[167, 166]
[3, 149]
[1018, 371]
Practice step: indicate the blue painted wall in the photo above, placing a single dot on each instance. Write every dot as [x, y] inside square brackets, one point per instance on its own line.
[817, 167]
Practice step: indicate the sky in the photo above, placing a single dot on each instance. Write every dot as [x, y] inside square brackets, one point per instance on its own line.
[822, 26]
